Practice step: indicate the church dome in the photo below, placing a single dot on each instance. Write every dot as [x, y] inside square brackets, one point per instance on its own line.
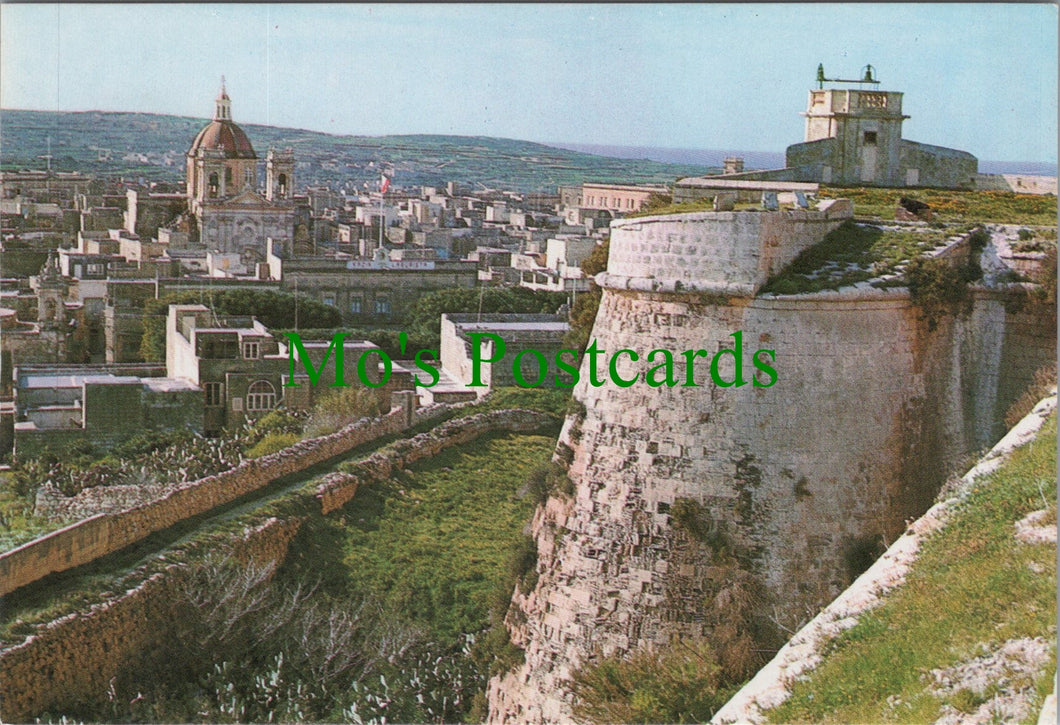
[226, 136]
[222, 133]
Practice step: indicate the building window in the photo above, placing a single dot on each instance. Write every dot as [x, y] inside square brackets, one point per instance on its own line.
[357, 305]
[215, 397]
[251, 350]
[382, 305]
[283, 186]
[94, 268]
[214, 184]
[261, 396]
[329, 300]
[228, 176]
[248, 177]
[870, 138]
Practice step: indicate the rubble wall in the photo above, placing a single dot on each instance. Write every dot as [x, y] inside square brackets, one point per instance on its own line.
[70, 660]
[104, 534]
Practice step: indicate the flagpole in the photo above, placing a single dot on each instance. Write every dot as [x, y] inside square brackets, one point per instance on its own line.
[382, 214]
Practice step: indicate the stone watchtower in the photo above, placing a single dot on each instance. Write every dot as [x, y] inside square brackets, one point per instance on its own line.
[854, 137]
[867, 127]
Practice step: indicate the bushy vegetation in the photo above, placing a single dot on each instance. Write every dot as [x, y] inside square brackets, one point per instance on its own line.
[380, 613]
[939, 288]
[442, 545]
[552, 402]
[679, 683]
[273, 309]
[337, 408]
[424, 317]
[162, 458]
[974, 586]
[583, 313]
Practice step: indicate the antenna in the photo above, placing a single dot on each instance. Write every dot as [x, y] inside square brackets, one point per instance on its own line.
[48, 156]
[868, 76]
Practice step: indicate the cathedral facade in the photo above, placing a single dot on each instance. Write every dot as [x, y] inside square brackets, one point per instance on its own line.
[231, 216]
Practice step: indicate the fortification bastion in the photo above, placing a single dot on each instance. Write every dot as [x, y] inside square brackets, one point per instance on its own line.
[727, 252]
[802, 482]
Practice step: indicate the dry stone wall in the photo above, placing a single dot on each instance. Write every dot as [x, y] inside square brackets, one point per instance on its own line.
[337, 489]
[70, 662]
[103, 534]
[805, 481]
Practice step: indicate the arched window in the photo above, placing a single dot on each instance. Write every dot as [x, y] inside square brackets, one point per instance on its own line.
[214, 184]
[282, 186]
[261, 396]
[228, 176]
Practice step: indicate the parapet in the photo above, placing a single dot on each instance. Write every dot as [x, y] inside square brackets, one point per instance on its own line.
[725, 253]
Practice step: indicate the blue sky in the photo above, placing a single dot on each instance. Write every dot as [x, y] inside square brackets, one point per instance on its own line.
[980, 77]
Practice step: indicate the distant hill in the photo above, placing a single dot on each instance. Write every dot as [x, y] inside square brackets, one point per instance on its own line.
[153, 147]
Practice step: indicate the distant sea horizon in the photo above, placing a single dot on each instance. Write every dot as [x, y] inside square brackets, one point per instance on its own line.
[766, 159]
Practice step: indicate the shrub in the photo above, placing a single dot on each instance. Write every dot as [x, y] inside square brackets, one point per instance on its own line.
[523, 564]
[938, 288]
[272, 443]
[337, 408]
[676, 684]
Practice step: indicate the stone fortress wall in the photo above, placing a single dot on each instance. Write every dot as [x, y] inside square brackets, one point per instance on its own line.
[70, 660]
[805, 480]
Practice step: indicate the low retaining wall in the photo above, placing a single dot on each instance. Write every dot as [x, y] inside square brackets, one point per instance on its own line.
[103, 534]
[337, 489]
[71, 661]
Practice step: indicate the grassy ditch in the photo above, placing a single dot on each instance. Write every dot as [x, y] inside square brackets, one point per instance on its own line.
[438, 548]
[973, 588]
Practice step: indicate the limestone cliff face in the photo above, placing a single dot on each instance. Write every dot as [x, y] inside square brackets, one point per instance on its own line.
[804, 480]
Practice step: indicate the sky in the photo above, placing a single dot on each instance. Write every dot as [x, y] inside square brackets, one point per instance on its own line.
[978, 77]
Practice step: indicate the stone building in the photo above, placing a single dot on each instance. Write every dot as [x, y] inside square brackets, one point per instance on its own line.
[368, 291]
[104, 405]
[854, 138]
[520, 332]
[241, 368]
[222, 179]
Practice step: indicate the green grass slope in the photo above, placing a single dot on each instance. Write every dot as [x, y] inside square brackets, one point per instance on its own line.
[953, 639]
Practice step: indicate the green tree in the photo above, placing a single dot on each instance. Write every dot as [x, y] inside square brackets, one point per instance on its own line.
[583, 315]
[424, 317]
[271, 308]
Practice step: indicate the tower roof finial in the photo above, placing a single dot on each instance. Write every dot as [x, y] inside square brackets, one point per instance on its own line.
[223, 107]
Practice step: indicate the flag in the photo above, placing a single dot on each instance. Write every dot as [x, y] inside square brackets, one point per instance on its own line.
[384, 184]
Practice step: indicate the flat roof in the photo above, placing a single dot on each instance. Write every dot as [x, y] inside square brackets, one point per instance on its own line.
[746, 184]
[546, 326]
[68, 380]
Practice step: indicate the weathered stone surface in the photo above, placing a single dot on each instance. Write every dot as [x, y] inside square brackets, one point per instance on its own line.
[806, 479]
